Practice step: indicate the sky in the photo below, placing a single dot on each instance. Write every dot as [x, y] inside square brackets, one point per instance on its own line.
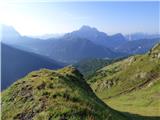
[37, 18]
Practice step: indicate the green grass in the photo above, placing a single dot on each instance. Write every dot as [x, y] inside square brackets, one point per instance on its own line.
[125, 75]
[144, 102]
[54, 95]
[122, 77]
[89, 66]
[123, 85]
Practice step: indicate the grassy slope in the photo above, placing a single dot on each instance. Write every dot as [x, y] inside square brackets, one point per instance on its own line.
[54, 95]
[145, 101]
[132, 84]
[89, 66]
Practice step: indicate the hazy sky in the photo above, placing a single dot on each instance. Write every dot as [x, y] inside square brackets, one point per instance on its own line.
[52, 17]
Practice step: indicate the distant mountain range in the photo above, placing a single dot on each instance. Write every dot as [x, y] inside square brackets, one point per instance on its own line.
[74, 49]
[137, 46]
[17, 63]
[66, 49]
[137, 36]
[85, 43]
[97, 37]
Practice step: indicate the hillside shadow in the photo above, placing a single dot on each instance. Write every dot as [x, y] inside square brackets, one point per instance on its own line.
[140, 117]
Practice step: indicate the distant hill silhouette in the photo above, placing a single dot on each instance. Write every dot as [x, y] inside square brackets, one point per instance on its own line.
[17, 63]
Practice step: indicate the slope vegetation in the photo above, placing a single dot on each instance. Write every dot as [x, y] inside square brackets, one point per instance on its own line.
[54, 95]
[89, 66]
[133, 82]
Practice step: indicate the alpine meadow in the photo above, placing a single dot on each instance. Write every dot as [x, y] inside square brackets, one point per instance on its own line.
[80, 60]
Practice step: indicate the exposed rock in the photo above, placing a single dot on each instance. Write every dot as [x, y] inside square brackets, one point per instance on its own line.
[131, 60]
[158, 55]
[41, 86]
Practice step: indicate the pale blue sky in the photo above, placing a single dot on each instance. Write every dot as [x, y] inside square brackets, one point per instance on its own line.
[110, 17]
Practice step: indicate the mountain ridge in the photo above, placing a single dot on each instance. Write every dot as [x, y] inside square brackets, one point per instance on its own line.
[61, 95]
